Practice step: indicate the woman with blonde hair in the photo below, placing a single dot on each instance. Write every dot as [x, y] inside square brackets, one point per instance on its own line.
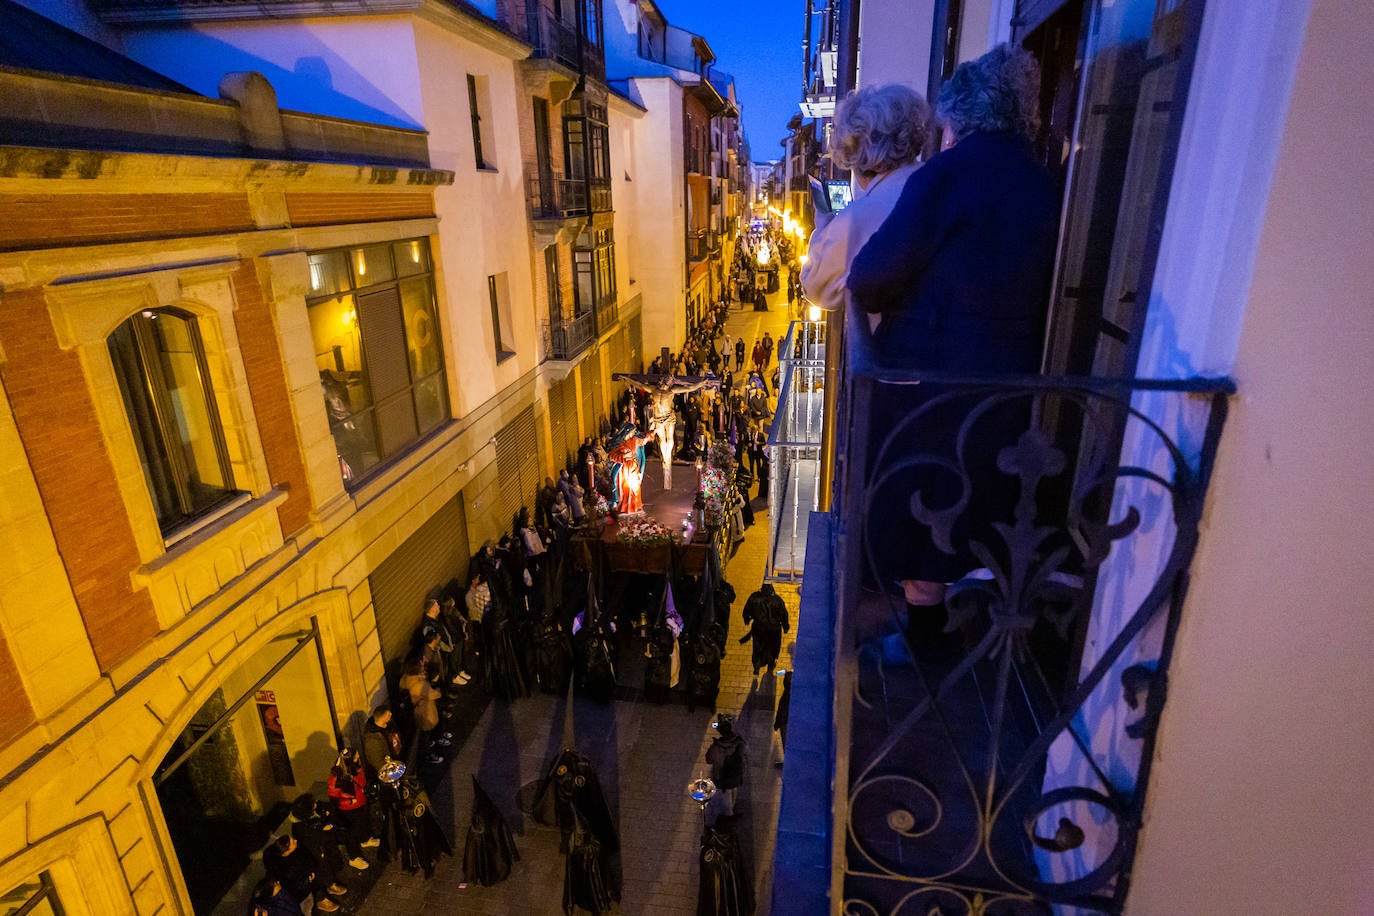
[880, 135]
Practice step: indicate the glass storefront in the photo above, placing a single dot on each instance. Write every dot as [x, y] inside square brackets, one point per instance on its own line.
[225, 786]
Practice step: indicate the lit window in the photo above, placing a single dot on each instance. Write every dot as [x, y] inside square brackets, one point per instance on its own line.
[376, 337]
[159, 361]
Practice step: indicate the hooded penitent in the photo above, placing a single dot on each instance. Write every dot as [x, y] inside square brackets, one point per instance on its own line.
[724, 887]
[570, 792]
[589, 879]
[490, 848]
[421, 837]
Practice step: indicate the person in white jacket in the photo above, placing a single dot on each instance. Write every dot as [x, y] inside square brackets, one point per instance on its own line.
[881, 134]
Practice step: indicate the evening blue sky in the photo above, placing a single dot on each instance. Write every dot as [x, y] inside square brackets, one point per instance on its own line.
[759, 42]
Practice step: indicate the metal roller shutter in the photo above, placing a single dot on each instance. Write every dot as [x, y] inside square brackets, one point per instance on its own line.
[571, 431]
[435, 553]
[635, 341]
[598, 395]
[517, 463]
[557, 436]
[584, 379]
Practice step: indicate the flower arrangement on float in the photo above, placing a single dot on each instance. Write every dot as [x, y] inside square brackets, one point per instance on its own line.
[721, 455]
[644, 532]
[711, 493]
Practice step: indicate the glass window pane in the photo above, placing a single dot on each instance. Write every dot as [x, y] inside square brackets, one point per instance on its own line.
[192, 413]
[142, 412]
[356, 442]
[328, 273]
[411, 257]
[371, 264]
[396, 422]
[422, 329]
[159, 363]
[347, 396]
[431, 402]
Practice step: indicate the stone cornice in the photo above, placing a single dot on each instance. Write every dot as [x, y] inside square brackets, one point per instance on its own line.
[34, 169]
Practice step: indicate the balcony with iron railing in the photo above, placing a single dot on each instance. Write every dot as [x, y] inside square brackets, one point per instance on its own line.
[565, 338]
[559, 42]
[553, 197]
[698, 244]
[703, 244]
[990, 755]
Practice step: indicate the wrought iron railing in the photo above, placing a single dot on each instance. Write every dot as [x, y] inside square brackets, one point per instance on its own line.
[794, 444]
[698, 245]
[998, 764]
[554, 197]
[607, 314]
[558, 41]
[567, 337]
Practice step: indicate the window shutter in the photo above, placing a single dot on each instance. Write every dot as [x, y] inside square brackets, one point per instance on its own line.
[388, 367]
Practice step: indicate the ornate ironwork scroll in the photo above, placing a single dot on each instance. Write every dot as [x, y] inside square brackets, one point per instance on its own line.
[998, 766]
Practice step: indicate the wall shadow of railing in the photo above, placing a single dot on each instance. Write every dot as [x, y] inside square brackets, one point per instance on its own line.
[992, 753]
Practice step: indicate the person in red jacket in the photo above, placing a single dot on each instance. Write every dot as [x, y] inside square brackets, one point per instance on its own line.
[348, 793]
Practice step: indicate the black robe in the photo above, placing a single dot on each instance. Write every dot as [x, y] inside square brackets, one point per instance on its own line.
[570, 794]
[505, 674]
[554, 658]
[421, 838]
[703, 680]
[724, 887]
[767, 612]
[599, 666]
[589, 880]
[658, 672]
[490, 848]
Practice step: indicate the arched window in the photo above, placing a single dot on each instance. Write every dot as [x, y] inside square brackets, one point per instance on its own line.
[159, 361]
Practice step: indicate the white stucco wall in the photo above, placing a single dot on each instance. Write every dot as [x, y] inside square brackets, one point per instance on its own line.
[1259, 802]
[660, 243]
[624, 120]
[363, 67]
[895, 43]
[483, 227]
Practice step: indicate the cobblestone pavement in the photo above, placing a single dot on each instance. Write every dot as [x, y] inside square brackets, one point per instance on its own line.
[645, 755]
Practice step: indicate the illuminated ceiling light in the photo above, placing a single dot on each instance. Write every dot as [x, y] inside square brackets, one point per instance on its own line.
[814, 313]
[415, 252]
[362, 263]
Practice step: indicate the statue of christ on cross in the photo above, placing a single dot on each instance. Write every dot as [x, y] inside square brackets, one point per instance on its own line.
[661, 421]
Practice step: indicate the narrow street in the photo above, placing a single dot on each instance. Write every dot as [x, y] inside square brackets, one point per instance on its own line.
[645, 755]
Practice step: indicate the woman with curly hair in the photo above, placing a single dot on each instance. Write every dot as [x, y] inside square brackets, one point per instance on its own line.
[881, 133]
[960, 276]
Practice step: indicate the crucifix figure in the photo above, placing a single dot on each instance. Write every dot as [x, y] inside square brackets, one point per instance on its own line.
[661, 420]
